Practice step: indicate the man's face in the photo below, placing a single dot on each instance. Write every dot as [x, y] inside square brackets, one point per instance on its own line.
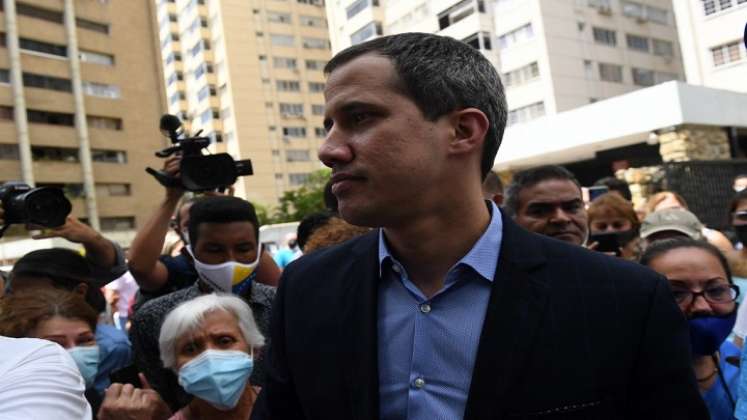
[388, 161]
[553, 208]
[221, 242]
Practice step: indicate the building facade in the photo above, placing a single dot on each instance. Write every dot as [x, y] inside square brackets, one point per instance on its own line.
[250, 76]
[79, 106]
[711, 33]
[557, 55]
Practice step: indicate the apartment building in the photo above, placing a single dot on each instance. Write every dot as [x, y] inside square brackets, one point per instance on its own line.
[356, 21]
[711, 33]
[80, 98]
[250, 76]
[557, 55]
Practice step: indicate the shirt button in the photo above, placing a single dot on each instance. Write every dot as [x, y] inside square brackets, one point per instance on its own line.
[419, 383]
[425, 308]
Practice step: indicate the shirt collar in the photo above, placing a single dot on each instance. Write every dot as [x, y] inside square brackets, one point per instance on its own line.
[483, 257]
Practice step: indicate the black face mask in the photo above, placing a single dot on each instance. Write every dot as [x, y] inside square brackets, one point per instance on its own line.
[741, 231]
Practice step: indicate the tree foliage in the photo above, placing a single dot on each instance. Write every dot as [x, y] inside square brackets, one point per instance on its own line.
[295, 204]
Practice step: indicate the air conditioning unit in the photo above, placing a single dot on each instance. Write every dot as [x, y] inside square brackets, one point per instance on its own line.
[604, 10]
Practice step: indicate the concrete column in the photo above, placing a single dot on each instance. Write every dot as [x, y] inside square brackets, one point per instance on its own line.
[19, 101]
[81, 124]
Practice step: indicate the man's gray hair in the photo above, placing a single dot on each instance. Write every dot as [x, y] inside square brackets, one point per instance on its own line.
[188, 316]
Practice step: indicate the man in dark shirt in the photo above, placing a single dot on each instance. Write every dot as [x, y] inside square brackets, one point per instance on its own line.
[222, 229]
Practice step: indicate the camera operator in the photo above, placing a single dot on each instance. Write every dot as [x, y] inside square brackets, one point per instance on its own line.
[105, 258]
[157, 274]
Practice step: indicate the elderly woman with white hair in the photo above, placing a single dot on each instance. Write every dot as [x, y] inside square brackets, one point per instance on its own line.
[209, 342]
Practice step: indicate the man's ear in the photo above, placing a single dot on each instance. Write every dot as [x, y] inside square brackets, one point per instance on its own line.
[81, 289]
[470, 127]
[498, 199]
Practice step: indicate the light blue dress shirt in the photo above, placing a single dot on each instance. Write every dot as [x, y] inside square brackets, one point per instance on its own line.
[427, 347]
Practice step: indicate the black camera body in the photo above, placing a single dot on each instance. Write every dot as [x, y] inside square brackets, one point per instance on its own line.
[198, 172]
[43, 206]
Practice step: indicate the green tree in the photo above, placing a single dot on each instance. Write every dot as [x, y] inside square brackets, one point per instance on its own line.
[296, 204]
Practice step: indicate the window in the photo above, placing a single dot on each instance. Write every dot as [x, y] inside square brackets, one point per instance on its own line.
[9, 152]
[313, 21]
[4, 76]
[526, 113]
[456, 13]
[728, 53]
[206, 116]
[521, 75]
[47, 82]
[643, 12]
[371, 30]
[113, 190]
[315, 43]
[40, 47]
[605, 36]
[663, 48]
[25, 9]
[295, 110]
[294, 131]
[284, 62]
[176, 97]
[358, 6]
[317, 109]
[315, 64]
[297, 156]
[203, 22]
[106, 123]
[516, 36]
[637, 43]
[288, 85]
[199, 71]
[312, 2]
[117, 223]
[316, 87]
[661, 77]
[109, 156]
[479, 41]
[48, 117]
[658, 15]
[713, 6]
[643, 77]
[97, 58]
[59, 154]
[101, 90]
[6, 113]
[633, 10]
[203, 93]
[610, 72]
[298, 179]
[282, 40]
[278, 17]
[320, 132]
[173, 18]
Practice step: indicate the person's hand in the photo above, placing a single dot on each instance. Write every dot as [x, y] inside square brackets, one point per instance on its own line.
[73, 230]
[171, 166]
[125, 402]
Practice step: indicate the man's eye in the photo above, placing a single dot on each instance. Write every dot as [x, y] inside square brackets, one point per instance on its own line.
[328, 124]
[359, 117]
[226, 340]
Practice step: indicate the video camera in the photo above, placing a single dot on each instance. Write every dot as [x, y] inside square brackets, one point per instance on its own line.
[198, 172]
[43, 206]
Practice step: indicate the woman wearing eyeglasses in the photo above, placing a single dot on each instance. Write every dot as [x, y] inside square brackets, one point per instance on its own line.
[701, 283]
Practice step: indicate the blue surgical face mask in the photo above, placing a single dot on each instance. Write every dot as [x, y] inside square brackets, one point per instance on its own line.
[87, 360]
[707, 333]
[217, 376]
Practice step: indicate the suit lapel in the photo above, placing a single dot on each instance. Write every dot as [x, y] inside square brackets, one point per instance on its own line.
[359, 329]
[517, 301]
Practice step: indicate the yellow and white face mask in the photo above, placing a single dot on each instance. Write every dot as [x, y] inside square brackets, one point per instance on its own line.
[228, 277]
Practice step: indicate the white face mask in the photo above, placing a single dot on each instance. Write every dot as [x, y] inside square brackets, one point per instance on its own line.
[228, 277]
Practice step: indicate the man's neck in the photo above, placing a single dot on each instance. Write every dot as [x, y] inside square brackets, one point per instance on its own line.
[430, 246]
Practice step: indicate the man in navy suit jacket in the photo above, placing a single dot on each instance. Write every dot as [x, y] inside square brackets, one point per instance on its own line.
[450, 310]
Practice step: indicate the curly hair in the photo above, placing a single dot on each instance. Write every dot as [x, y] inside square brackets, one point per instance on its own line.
[334, 232]
[21, 312]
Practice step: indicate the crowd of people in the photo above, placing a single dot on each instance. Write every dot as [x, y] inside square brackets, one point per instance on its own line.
[424, 290]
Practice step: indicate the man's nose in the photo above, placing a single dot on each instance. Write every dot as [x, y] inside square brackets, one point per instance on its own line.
[560, 216]
[335, 149]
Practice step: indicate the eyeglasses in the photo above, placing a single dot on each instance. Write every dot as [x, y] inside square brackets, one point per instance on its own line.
[713, 294]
